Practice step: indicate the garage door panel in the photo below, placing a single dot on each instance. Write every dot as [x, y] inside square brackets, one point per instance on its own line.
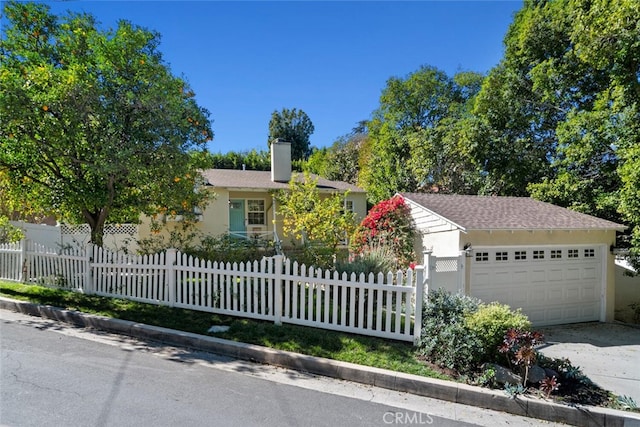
[551, 315]
[516, 299]
[555, 294]
[520, 276]
[591, 310]
[537, 297]
[555, 275]
[561, 286]
[572, 274]
[502, 277]
[589, 293]
[574, 294]
[536, 316]
[589, 273]
[481, 279]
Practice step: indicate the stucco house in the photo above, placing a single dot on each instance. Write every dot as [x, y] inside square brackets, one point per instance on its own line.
[554, 263]
[244, 205]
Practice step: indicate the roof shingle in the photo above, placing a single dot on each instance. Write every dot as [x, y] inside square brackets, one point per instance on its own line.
[248, 179]
[507, 213]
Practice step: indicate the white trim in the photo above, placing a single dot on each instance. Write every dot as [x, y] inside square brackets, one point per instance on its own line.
[448, 221]
[264, 211]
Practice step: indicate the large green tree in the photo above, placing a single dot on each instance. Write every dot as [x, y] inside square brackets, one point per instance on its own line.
[413, 135]
[559, 117]
[94, 125]
[292, 126]
[340, 161]
[251, 160]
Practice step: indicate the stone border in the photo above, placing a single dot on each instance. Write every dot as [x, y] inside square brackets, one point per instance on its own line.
[396, 381]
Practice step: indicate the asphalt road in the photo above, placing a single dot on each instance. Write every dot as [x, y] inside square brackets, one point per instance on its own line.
[53, 374]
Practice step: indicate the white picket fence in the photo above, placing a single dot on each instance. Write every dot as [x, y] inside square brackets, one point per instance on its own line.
[275, 289]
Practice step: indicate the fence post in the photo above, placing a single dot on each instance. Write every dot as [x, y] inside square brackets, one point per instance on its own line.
[277, 288]
[170, 271]
[23, 261]
[420, 290]
[431, 268]
[88, 287]
[462, 258]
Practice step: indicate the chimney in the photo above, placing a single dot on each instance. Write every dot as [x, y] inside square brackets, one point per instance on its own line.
[280, 161]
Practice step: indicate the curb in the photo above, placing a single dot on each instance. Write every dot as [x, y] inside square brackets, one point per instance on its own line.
[396, 381]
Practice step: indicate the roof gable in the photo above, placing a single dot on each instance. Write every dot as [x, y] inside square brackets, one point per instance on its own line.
[261, 180]
[506, 213]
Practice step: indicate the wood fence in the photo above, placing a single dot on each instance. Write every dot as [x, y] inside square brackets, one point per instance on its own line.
[274, 289]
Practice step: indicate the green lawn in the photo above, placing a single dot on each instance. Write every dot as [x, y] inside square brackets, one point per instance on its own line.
[369, 351]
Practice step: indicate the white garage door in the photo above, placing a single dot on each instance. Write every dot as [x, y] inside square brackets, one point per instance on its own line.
[552, 284]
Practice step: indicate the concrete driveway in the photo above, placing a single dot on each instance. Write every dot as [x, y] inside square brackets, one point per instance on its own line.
[608, 353]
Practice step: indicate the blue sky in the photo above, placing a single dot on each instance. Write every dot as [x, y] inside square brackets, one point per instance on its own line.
[331, 59]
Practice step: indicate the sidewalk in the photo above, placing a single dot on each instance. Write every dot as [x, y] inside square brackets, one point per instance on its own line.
[428, 387]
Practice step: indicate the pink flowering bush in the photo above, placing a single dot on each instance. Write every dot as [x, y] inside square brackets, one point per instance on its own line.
[387, 224]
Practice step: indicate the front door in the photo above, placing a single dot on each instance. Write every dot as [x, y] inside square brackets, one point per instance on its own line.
[237, 225]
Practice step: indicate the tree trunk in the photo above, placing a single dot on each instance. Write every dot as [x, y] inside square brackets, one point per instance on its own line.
[96, 222]
[97, 234]
[98, 217]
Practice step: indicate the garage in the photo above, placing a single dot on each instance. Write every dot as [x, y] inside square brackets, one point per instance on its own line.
[551, 284]
[555, 264]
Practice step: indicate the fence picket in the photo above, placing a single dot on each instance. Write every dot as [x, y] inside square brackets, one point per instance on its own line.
[274, 289]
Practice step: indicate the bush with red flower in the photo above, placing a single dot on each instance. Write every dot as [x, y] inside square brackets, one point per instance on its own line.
[388, 224]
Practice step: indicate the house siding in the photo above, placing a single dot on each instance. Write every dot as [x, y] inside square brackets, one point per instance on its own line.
[438, 236]
[447, 238]
[215, 217]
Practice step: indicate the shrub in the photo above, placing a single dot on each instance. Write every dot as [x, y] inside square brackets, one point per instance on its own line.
[490, 323]
[388, 223]
[445, 340]
[375, 259]
[312, 255]
[575, 386]
[520, 349]
[9, 233]
[226, 248]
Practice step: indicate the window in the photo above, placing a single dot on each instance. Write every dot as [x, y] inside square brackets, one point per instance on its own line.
[572, 253]
[482, 256]
[589, 253]
[538, 254]
[521, 255]
[348, 205]
[502, 256]
[556, 253]
[256, 214]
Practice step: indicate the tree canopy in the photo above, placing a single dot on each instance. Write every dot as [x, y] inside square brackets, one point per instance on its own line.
[563, 107]
[414, 135]
[340, 162]
[251, 160]
[319, 221]
[94, 125]
[292, 126]
[557, 119]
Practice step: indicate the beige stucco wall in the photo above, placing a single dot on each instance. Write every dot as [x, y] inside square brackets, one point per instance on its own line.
[215, 217]
[627, 292]
[603, 238]
[516, 238]
[442, 244]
